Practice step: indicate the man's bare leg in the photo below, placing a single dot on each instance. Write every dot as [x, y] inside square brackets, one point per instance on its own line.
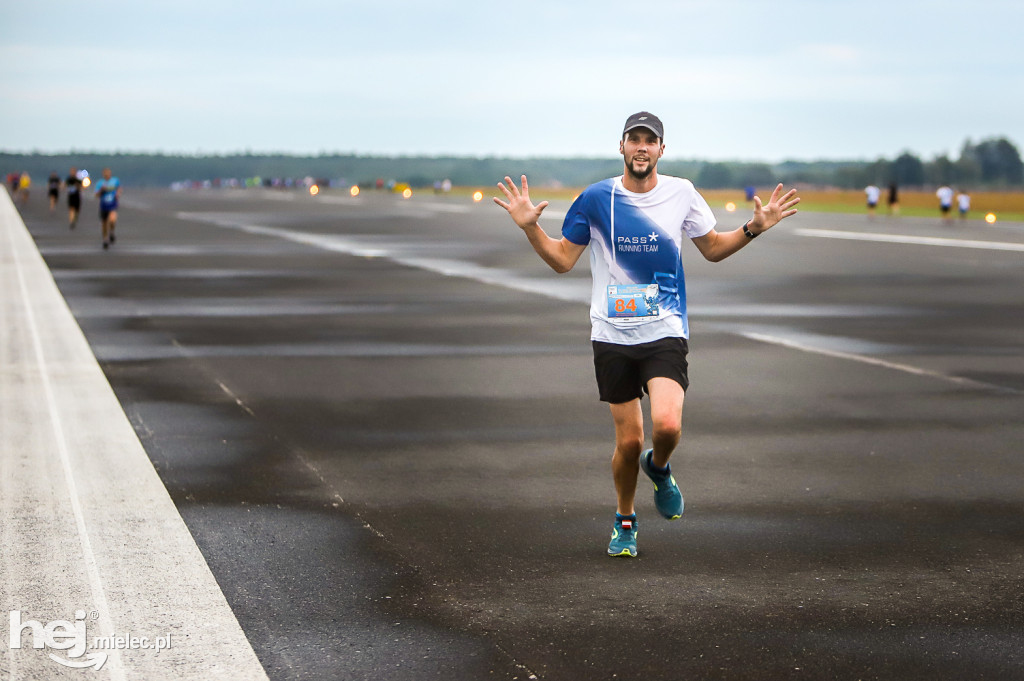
[629, 442]
[667, 415]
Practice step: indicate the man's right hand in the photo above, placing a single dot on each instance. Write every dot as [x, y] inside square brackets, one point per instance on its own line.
[519, 207]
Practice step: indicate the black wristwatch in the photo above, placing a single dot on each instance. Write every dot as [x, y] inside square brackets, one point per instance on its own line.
[747, 232]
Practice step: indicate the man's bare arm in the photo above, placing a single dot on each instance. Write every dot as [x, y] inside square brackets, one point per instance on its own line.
[716, 246]
[560, 254]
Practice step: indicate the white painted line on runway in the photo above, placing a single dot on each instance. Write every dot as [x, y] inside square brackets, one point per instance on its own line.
[905, 239]
[239, 307]
[573, 290]
[874, 361]
[114, 663]
[162, 250]
[187, 273]
[444, 207]
[125, 353]
[340, 200]
[232, 395]
[575, 293]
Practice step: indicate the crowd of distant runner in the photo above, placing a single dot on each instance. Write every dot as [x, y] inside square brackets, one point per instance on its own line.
[108, 191]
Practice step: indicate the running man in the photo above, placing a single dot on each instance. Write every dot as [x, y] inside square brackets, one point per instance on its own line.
[872, 193]
[635, 225]
[109, 191]
[73, 184]
[945, 195]
[894, 199]
[24, 185]
[963, 203]
[53, 190]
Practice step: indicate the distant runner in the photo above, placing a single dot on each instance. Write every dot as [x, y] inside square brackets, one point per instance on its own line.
[73, 184]
[894, 199]
[963, 203]
[635, 225]
[872, 193]
[24, 185]
[109, 191]
[53, 190]
[945, 195]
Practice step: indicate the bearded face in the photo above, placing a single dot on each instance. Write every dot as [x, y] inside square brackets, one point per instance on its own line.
[641, 149]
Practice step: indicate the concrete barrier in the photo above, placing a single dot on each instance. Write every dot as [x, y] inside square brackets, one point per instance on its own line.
[98, 569]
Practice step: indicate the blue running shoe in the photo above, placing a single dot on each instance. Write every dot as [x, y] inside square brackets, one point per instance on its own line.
[667, 498]
[623, 541]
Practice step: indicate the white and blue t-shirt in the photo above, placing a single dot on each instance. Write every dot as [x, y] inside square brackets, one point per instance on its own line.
[639, 293]
[107, 190]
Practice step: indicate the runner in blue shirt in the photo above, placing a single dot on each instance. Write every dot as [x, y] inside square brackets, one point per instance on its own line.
[109, 191]
[635, 226]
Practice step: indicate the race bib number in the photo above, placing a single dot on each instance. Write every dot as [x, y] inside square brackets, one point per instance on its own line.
[633, 301]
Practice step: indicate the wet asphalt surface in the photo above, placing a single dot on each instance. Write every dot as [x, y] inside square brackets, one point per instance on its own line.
[396, 470]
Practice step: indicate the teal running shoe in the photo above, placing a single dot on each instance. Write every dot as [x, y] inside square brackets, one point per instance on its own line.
[623, 541]
[667, 498]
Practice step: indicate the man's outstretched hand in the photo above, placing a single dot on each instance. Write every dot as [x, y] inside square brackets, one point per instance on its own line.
[778, 208]
[519, 207]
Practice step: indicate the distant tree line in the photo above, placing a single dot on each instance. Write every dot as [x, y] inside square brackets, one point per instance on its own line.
[991, 164]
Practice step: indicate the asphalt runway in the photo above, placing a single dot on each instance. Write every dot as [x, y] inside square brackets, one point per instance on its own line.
[379, 421]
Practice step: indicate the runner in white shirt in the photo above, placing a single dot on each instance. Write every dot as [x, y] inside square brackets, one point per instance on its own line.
[636, 241]
[963, 203]
[636, 225]
[945, 195]
[872, 193]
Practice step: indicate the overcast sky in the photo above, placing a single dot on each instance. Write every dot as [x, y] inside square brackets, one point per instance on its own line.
[731, 79]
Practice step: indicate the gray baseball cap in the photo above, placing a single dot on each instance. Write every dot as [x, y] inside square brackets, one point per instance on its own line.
[645, 119]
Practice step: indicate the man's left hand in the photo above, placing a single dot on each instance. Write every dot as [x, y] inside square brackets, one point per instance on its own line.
[778, 208]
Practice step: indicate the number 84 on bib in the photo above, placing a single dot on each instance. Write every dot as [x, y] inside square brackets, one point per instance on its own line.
[632, 301]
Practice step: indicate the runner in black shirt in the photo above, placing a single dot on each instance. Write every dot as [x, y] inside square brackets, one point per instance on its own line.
[53, 190]
[74, 187]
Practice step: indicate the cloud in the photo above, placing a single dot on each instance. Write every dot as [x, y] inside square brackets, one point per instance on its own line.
[832, 53]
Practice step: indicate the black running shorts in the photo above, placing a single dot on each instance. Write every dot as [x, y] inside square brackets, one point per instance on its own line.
[624, 370]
